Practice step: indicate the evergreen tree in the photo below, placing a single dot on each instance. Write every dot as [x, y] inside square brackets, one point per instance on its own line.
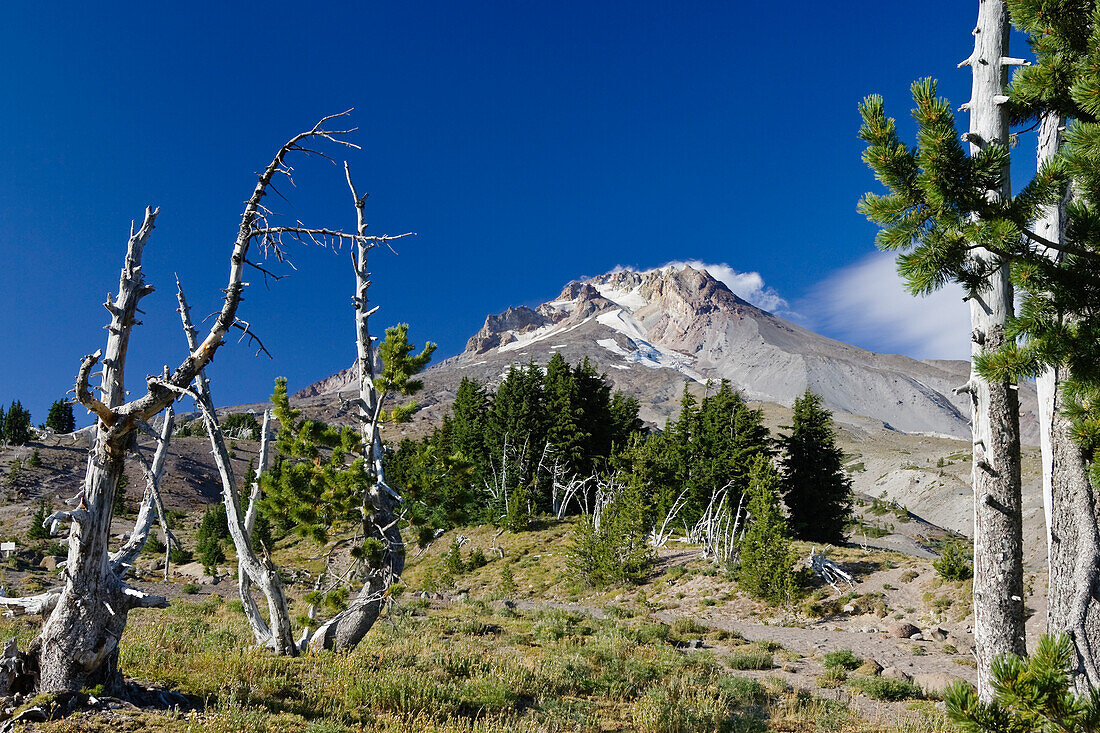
[17, 424]
[304, 493]
[765, 552]
[469, 417]
[563, 411]
[60, 417]
[817, 492]
[617, 552]
[37, 529]
[211, 536]
[1031, 694]
[241, 425]
[593, 412]
[518, 417]
[625, 423]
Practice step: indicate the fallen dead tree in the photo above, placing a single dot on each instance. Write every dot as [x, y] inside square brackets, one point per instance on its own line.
[829, 571]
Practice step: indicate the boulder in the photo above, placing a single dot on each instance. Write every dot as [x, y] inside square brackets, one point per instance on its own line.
[50, 562]
[870, 667]
[903, 630]
[893, 673]
[934, 684]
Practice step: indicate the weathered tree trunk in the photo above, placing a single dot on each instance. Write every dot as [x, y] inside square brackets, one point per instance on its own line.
[78, 645]
[998, 534]
[380, 503]
[277, 634]
[1069, 501]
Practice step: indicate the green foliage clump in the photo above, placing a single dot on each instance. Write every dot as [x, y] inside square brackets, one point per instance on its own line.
[60, 417]
[535, 427]
[210, 539]
[452, 561]
[816, 489]
[242, 425]
[1030, 694]
[954, 563]
[178, 555]
[615, 552]
[842, 659]
[507, 580]
[37, 531]
[765, 552]
[750, 659]
[710, 446]
[17, 424]
[889, 690]
[517, 517]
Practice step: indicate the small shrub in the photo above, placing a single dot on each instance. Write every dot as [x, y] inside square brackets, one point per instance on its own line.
[452, 561]
[153, 546]
[833, 677]
[35, 460]
[750, 659]
[507, 580]
[477, 559]
[954, 563]
[909, 576]
[686, 626]
[842, 659]
[191, 588]
[889, 690]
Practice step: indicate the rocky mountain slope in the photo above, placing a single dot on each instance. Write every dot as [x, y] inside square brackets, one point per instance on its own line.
[653, 331]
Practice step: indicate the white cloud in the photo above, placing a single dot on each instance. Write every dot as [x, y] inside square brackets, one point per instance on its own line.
[866, 304]
[745, 285]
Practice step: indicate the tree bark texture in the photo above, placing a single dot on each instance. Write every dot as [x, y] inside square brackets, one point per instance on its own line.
[998, 534]
[1069, 500]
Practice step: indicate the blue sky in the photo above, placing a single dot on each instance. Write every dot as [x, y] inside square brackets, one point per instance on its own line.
[527, 144]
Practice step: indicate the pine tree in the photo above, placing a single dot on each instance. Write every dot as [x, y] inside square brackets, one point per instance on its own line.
[211, 536]
[37, 529]
[1032, 694]
[17, 424]
[617, 552]
[815, 488]
[593, 415]
[469, 415]
[60, 417]
[765, 552]
[518, 416]
[564, 412]
[625, 423]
